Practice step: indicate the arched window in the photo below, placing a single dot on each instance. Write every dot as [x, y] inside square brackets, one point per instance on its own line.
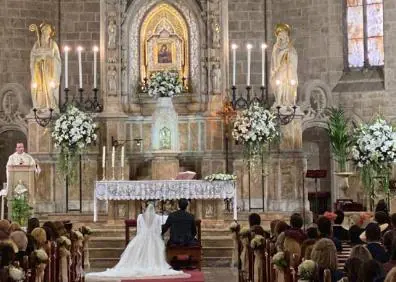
[365, 33]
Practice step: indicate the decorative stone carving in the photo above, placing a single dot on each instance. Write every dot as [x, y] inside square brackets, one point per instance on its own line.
[14, 105]
[112, 33]
[216, 32]
[112, 80]
[45, 68]
[165, 130]
[216, 78]
[284, 80]
[316, 98]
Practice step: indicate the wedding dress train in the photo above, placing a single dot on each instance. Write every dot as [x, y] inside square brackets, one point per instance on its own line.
[144, 256]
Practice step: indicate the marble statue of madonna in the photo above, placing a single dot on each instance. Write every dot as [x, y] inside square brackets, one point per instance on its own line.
[45, 68]
[284, 80]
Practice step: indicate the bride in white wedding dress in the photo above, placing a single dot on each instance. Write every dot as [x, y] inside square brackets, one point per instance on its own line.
[144, 256]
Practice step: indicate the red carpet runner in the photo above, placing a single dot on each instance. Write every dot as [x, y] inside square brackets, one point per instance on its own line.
[196, 276]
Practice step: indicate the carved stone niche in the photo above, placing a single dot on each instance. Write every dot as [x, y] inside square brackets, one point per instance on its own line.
[316, 99]
[163, 36]
[15, 104]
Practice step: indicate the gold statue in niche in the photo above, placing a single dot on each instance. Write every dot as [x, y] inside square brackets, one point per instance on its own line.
[164, 42]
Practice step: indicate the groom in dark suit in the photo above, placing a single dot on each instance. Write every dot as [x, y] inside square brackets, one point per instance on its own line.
[182, 226]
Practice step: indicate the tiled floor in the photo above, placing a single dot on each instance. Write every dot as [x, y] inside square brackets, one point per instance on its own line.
[220, 274]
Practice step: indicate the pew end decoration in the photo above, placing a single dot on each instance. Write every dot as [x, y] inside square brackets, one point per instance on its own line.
[306, 270]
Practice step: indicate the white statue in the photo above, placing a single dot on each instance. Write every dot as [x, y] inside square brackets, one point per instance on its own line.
[45, 68]
[284, 80]
[216, 78]
[112, 33]
[112, 80]
[215, 33]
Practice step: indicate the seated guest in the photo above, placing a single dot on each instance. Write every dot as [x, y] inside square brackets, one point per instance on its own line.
[383, 221]
[14, 226]
[182, 226]
[382, 206]
[339, 231]
[371, 271]
[40, 237]
[21, 241]
[387, 240]
[280, 229]
[32, 224]
[325, 231]
[272, 227]
[392, 260]
[306, 248]
[255, 225]
[354, 235]
[5, 225]
[324, 253]
[352, 268]
[295, 232]
[391, 276]
[373, 235]
[7, 254]
[312, 232]
[360, 252]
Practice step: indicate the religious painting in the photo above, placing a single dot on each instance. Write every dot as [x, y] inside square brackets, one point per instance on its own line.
[164, 53]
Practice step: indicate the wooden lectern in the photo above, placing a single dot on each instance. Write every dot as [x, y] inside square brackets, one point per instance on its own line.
[23, 174]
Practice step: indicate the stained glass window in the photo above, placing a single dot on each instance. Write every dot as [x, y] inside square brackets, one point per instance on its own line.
[365, 33]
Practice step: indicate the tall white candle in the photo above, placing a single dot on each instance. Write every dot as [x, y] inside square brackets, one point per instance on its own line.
[122, 156]
[104, 157]
[234, 47]
[66, 49]
[249, 53]
[235, 203]
[79, 50]
[263, 47]
[95, 50]
[113, 157]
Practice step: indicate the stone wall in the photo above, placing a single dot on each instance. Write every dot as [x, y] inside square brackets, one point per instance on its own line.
[246, 25]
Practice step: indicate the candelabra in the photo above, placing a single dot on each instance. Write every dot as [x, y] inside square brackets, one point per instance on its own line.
[117, 143]
[89, 105]
[44, 120]
[244, 101]
[284, 119]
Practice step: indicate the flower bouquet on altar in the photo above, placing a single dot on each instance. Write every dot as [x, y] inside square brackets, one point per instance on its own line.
[164, 84]
[253, 128]
[220, 177]
[73, 132]
[374, 152]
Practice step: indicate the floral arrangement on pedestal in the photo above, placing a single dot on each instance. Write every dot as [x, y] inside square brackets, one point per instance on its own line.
[164, 84]
[220, 177]
[374, 152]
[306, 270]
[21, 210]
[253, 128]
[16, 273]
[73, 132]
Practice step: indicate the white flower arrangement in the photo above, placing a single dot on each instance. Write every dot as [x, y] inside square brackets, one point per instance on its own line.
[245, 232]
[375, 144]
[306, 270]
[64, 241]
[254, 127]
[73, 132]
[41, 255]
[16, 273]
[234, 227]
[164, 84]
[257, 242]
[220, 177]
[279, 260]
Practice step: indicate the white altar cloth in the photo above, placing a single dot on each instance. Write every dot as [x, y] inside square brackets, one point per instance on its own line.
[117, 190]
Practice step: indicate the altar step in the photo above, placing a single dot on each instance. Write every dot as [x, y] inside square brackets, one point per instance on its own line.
[108, 243]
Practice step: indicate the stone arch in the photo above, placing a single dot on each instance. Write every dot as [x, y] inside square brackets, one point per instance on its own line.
[130, 37]
[15, 104]
[316, 147]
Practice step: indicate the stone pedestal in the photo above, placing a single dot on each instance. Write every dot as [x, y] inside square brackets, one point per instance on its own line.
[286, 169]
[164, 166]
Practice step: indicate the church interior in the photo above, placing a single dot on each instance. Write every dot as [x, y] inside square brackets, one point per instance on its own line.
[273, 118]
